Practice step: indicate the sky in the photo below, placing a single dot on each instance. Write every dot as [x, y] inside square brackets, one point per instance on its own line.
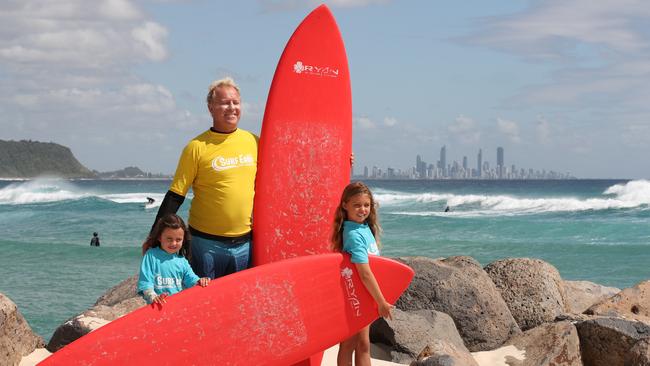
[561, 85]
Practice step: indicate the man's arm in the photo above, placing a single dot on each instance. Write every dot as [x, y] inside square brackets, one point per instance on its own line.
[169, 204]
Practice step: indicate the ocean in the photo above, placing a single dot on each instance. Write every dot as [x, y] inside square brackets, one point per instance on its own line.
[594, 230]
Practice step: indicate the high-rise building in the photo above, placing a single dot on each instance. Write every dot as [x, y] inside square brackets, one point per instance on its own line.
[500, 166]
[465, 162]
[479, 163]
[443, 160]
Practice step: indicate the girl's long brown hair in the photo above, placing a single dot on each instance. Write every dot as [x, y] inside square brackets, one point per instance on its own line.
[171, 221]
[340, 215]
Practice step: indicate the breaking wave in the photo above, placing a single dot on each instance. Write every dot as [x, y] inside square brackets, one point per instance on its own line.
[631, 195]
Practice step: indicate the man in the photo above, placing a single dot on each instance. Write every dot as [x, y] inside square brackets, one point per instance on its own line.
[94, 241]
[220, 166]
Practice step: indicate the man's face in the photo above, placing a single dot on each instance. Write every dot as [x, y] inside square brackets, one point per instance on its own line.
[225, 109]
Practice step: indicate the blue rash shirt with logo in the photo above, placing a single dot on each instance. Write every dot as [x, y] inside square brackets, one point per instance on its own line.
[165, 273]
[358, 241]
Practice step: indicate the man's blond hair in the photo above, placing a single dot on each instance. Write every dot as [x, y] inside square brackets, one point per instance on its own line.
[227, 81]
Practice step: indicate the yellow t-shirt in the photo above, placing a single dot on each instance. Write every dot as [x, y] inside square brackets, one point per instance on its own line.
[221, 169]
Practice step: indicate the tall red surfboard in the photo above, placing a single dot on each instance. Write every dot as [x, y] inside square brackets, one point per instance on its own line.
[275, 315]
[305, 144]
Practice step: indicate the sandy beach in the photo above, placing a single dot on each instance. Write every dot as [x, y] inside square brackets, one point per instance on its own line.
[496, 357]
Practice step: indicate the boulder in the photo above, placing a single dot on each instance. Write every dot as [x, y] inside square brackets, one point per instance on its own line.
[532, 289]
[631, 303]
[408, 333]
[443, 353]
[639, 355]
[116, 302]
[16, 336]
[580, 295]
[120, 292]
[459, 287]
[607, 341]
[551, 344]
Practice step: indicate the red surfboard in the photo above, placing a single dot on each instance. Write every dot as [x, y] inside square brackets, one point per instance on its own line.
[275, 314]
[305, 146]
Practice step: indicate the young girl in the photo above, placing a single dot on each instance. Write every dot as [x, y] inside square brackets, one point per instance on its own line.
[356, 231]
[165, 269]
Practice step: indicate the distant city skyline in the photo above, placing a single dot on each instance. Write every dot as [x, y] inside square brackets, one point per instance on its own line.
[461, 170]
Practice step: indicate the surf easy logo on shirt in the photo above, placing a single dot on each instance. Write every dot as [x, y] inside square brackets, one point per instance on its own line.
[229, 162]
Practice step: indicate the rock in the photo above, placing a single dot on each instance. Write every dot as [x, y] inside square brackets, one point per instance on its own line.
[443, 353]
[459, 287]
[96, 316]
[580, 295]
[607, 341]
[532, 289]
[409, 332]
[16, 336]
[631, 303]
[120, 292]
[639, 355]
[551, 344]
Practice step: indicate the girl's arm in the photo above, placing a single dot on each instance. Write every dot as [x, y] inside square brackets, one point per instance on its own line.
[368, 279]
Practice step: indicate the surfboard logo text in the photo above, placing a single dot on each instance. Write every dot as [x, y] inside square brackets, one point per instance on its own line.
[353, 299]
[300, 68]
[224, 162]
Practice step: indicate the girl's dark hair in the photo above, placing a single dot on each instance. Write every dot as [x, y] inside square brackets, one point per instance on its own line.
[340, 215]
[171, 221]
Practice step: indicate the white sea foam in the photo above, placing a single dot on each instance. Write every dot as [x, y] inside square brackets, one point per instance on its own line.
[52, 190]
[634, 194]
[39, 191]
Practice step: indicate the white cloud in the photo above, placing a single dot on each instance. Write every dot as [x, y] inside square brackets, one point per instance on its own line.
[364, 123]
[510, 129]
[71, 33]
[67, 77]
[152, 36]
[465, 129]
[555, 27]
[390, 121]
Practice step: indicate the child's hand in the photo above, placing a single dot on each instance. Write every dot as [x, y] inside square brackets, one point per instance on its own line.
[160, 299]
[204, 281]
[385, 310]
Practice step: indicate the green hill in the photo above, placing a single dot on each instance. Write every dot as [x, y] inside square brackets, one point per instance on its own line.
[28, 159]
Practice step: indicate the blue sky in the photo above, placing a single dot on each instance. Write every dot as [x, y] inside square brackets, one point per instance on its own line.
[561, 85]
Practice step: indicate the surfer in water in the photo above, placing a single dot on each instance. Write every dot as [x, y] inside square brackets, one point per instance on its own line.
[150, 200]
[220, 166]
[356, 232]
[94, 241]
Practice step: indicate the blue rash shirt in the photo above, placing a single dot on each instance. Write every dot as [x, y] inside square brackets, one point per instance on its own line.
[358, 241]
[165, 273]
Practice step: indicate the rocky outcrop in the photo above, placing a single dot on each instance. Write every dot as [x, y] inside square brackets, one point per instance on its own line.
[116, 302]
[580, 295]
[639, 355]
[607, 341]
[16, 337]
[553, 344]
[409, 333]
[28, 159]
[631, 303]
[459, 287]
[532, 289]
[443, 353]
[120, 292]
